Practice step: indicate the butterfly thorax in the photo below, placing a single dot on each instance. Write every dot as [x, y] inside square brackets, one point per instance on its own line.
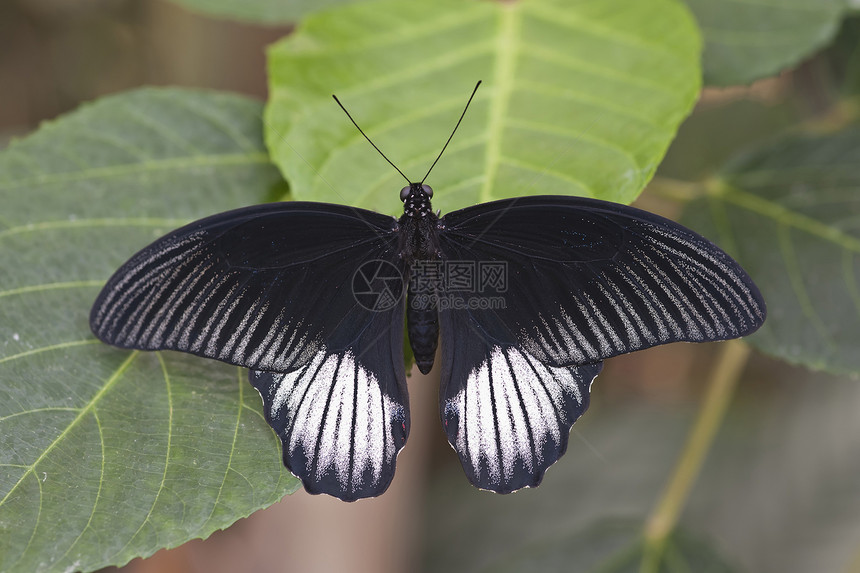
[418, 225]
[420, 245]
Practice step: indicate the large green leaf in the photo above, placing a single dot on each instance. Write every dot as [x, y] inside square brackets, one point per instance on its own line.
[108, 454]
[746, 41]
[610, 546]
[580, 97]
[842, 57]
[259, 11]
[788, 211]
[589, 513]
[780, 489]
[778, 493]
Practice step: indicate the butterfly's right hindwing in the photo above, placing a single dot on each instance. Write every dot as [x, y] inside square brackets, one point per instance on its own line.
[585, 280]
[506, 412]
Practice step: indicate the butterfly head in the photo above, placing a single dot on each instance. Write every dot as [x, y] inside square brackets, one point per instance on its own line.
[416, 200]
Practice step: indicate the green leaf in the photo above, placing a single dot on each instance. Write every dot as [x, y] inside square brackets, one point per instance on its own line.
[259, 11]
[589, 513]
[843, 57]
[778, 492]
[579, 98]
[715, 133]
[780, 488]
[107, 454]
[746, 41]
[609, 546]
[788, 212]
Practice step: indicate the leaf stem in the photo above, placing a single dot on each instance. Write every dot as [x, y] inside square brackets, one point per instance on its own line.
[676, 189]
[665, 514]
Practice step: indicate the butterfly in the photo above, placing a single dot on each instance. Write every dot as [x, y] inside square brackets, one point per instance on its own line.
[312, 298]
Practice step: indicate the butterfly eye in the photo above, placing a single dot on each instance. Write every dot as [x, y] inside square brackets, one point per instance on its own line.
[427, 189]
[404, 193]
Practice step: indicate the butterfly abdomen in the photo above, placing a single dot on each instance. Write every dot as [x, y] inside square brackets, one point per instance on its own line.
[422, 319]
[419, 245]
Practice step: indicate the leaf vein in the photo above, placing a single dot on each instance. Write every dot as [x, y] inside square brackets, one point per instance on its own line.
[35, 525]
[575, 136]
[92, 223]
[51, 286]
[161, 486]
[582, 97]
[568, 19]
[98, 490]
[795, 277]
[136, 154]
[566, 61]
[94, 173]
[71, 344]
[89, 406]
[232, 445]
[203, 111]
[37, 411]
[161, 130]
[520, 164]
[783, 215]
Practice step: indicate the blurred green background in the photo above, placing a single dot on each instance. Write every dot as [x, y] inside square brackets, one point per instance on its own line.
[779, 491]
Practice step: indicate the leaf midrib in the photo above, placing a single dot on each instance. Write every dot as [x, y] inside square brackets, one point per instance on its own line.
[731, 194]
[507, 47]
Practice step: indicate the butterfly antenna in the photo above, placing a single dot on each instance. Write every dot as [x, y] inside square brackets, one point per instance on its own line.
[368, 139]
[462, 115]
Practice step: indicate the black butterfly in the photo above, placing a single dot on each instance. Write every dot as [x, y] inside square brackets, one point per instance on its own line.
[309, 296]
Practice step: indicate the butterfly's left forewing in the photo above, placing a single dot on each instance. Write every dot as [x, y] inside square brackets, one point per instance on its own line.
[259, 287]
[306, 295]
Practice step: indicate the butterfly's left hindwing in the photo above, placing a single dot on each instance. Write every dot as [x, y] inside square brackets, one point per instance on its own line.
[343, 416]
[309, 296]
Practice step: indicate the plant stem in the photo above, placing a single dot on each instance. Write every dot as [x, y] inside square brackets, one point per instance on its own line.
[675, 189]
[664, 517]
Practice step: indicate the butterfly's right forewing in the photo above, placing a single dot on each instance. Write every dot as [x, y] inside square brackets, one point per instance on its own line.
[585, 280]
[589, 279]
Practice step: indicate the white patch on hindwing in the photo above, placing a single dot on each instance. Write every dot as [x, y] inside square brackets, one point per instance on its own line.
[509, 408]
[339, 416]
